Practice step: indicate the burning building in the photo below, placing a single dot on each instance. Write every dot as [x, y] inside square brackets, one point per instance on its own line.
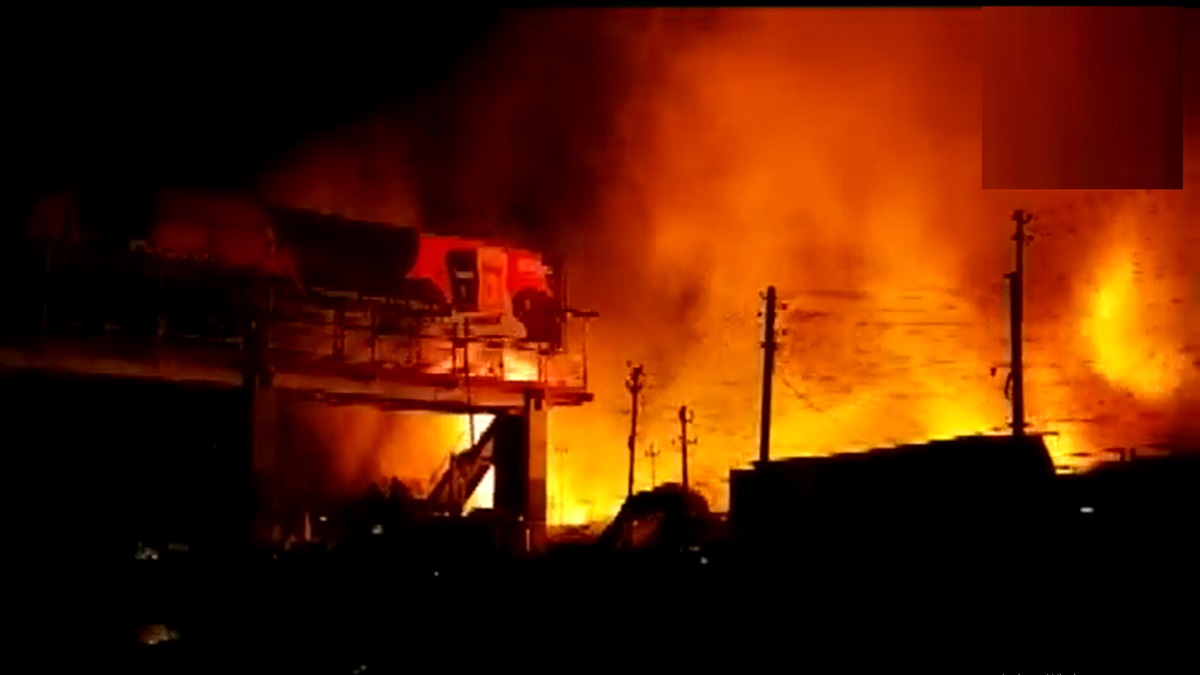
[293, 306]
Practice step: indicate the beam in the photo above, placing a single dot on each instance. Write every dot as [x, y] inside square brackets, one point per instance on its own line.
[488, 396]
[73, 362]
[264, 455]
[392, 390]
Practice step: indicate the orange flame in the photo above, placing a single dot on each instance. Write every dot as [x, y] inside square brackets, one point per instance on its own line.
[1136, 339]
[836, 155]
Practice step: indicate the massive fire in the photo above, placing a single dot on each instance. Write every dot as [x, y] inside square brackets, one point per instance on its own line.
[371, 445]
[1134, 325]
[836, 155]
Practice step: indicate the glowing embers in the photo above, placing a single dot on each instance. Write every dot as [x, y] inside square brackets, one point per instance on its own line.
[521, 366]
[499, 362]
[1132, 347]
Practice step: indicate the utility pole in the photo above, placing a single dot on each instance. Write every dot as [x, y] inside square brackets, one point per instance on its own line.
[686, 417]
[1016, 281]
[768, 373]
[634, 384]
[652, 454]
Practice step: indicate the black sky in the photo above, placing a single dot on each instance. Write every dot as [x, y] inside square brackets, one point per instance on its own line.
[142, 100]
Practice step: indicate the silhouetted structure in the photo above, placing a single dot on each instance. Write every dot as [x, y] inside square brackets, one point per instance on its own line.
[634, 384]
[1016, 286]
[1145, 509]
[276, 305]
[652, 454]
[686, 417]
[961, 490]
[768, 374]
[667, 519]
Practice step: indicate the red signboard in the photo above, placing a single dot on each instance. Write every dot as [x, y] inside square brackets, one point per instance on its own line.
[493, 286]
[515, 269]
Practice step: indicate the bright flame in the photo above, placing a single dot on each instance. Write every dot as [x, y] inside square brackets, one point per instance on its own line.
[854, 189]
[484, 496]
[520, 366]
[836, 155]
[1068, 453]
[1126, 349]
[513, 365]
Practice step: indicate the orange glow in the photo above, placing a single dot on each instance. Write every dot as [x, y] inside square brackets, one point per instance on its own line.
[484, 495]
[836, 155]
[520, 366]
[511, 365]
[854, 188]
[369, 445]
[1134, 344]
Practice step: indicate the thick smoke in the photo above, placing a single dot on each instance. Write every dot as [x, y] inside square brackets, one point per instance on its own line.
[686, 159]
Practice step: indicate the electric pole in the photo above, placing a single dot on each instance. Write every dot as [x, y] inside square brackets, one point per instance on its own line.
[686, 417]
[768, 373]
[634, 384]
[652, 455]
[1016, 281]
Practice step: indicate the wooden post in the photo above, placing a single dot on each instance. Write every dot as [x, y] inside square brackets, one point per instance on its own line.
[1016, 317]
[686, 417]
[768, 375]
[634, 385]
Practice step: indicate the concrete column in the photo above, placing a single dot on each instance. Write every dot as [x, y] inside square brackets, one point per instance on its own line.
[520, 460]
[537, 425]
[264, 457]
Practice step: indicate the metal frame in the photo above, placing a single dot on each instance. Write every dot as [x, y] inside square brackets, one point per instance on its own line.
[268, 313]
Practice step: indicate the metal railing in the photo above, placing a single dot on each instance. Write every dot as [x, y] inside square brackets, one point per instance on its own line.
[146, 299]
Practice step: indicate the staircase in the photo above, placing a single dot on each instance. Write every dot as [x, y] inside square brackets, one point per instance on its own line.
[464, 472]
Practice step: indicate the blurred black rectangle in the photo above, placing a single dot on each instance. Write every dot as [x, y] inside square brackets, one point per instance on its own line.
[1083, 98]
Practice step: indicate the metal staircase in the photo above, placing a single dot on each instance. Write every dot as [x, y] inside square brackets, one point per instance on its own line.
[464, 472]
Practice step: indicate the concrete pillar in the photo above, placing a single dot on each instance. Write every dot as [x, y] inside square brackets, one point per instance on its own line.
[537, 425]
[520, 459]
[264, 457]
[263, 423]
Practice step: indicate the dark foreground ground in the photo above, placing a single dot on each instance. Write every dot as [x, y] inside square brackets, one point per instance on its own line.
[332, 615]
[87, 475]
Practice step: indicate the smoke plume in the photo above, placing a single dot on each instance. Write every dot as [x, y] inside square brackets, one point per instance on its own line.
[685, 159]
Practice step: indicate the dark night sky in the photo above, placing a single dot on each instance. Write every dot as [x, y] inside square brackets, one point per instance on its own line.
[129, 102]
[208, 101]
